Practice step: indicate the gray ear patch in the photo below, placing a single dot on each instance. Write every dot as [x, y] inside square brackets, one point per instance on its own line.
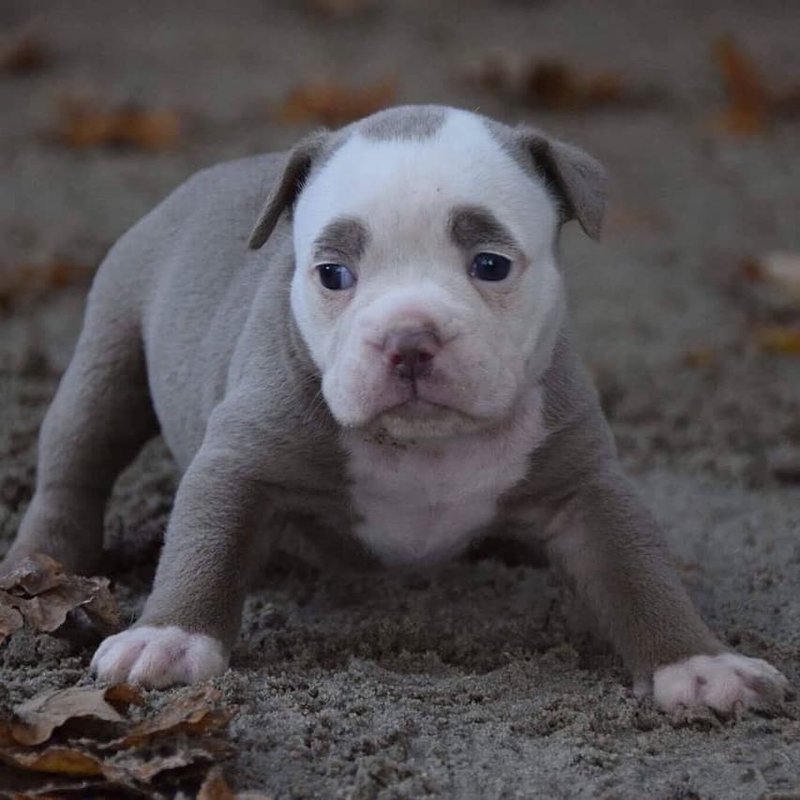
[284, 194]
[578, 181]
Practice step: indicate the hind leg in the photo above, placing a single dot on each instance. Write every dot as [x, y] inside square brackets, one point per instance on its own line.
[98, 421]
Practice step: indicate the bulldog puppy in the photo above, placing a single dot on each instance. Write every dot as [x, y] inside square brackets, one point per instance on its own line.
[388, 365]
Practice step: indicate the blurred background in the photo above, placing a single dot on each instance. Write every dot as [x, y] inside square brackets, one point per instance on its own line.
[688, 313]
[694, 107]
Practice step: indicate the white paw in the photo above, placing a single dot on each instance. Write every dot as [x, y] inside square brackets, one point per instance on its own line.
[158, 657]
[721, 682]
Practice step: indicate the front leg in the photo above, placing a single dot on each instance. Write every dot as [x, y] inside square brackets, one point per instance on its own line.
[192, 617]
[610, 548]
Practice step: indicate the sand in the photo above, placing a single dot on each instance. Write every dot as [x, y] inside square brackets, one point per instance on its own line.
[476, 680]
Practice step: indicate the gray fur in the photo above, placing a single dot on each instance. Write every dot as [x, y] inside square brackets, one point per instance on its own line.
[293, 175]
[189, 332]
[473, 226]
[404, 122]
[577, 181]
[344, 238]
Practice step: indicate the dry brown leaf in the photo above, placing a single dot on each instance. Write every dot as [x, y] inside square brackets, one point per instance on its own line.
[59, 760]
[23, 53]
[339, 9]
[215, 787]
[787, 103]
[333, 104]
[27, 279]
[143, 767]
[34, 575]
[82, 733]
[35, 721]
[779, 269]
[84, 126]
[10, 620]
[43, 595]
[749, 99]
[700, 358]
[551, 83]
[781, 339]
[193, 712]
[62, 789]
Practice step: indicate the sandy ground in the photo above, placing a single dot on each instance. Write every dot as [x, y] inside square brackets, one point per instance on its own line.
[474, 681]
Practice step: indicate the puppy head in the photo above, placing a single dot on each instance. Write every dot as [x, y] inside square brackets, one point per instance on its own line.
[426, 287]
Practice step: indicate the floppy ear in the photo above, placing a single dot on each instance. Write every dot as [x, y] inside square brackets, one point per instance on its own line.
[579, 180]
[284, 193]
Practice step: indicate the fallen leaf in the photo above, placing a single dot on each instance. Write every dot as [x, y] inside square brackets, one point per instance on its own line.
[84, 126]
[23, 53]
[780, 269]
[339, 9]
[43, 595]
[25, 279]
[779, 339]
[787, 103]
[35, 721]
[193, 712]
[10, 621]
[85, 733]
[215, 787]
[34, 575]
[143, 767]
[553, 84]
[333, 104]
[60, 760]
[699, 358]
[56, 789]
[748, 97]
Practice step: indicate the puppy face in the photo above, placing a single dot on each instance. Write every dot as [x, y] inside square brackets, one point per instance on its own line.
[426, 287]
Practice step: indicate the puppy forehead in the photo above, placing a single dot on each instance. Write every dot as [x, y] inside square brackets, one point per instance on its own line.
[456, 162]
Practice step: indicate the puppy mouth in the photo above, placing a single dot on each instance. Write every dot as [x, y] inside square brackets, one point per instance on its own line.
[416, 408]
[416, 419]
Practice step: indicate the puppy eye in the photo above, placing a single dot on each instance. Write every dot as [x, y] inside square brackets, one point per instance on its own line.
[335, 276]
[490, 267]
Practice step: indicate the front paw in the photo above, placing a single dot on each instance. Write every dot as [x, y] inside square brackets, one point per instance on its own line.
[721, 682]
[158, 657]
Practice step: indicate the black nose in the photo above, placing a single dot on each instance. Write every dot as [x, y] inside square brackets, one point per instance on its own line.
[410, 353]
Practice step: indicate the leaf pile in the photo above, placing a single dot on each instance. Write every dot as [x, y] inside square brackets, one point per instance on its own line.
[85, 742]
[333, 104]
[751, 104]
[38, 594]
[83, 126]
[26, 279]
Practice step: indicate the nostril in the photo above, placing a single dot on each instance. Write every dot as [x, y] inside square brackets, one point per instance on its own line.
[410, 353]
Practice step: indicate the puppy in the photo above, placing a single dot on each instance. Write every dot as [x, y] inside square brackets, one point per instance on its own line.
[388, 367]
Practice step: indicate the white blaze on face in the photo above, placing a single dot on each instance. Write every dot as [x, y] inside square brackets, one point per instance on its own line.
[412, 274]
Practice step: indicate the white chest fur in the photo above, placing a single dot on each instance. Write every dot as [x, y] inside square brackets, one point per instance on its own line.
[420, 504]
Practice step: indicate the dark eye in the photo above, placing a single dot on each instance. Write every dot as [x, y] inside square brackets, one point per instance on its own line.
[335, 276]
[490, 267]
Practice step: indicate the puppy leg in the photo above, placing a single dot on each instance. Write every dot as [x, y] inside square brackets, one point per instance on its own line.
[100, 417]
[191, 619]
[609, 546]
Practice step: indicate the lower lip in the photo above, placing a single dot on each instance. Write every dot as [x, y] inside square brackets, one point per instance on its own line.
[416, 409]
